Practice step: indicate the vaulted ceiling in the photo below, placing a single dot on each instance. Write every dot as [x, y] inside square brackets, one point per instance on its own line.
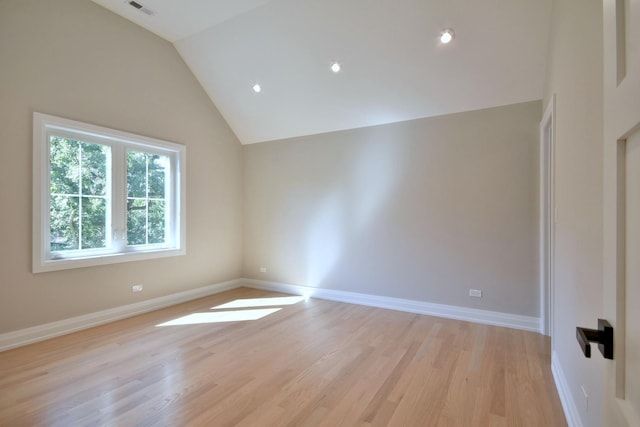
[393, 67]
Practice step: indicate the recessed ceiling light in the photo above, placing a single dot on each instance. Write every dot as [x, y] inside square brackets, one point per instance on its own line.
[335, 67]
[446, 35]
[257, 88]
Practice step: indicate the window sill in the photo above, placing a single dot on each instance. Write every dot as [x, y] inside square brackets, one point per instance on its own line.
[104, 259]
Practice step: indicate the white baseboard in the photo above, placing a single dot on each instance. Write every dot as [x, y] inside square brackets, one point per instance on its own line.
[49, 330]
[568, 404]
[515, 321]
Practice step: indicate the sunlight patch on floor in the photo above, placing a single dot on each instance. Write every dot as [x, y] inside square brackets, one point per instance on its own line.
[260, 302]
[221, 317]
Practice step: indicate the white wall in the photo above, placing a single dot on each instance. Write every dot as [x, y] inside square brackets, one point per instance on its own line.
[575, 77]
[74, 59]
[423, 210]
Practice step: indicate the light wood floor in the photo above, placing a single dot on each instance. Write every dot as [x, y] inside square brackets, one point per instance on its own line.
[309, 364]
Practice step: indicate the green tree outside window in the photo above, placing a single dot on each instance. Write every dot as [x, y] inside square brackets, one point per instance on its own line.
[79, 201]
[146, 198]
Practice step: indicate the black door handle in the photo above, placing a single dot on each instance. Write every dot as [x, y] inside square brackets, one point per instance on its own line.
[603, 336]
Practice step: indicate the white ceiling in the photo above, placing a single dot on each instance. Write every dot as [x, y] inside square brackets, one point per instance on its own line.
[394, 69]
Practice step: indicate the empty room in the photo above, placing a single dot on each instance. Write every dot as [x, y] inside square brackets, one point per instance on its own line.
[319, 213]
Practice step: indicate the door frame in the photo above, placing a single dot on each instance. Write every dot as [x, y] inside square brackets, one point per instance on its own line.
[547, 217]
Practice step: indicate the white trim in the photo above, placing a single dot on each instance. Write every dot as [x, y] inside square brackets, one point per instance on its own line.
[547, 218]
[508, 320]
[566, 398]
[50, 330]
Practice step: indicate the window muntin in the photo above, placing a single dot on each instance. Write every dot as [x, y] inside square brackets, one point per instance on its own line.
[104, 196]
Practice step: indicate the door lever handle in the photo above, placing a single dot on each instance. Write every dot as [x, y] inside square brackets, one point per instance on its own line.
[603, 336]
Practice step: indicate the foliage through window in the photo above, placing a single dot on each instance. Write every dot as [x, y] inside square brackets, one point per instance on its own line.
[146, 203]
[78, 204]
[103, 196]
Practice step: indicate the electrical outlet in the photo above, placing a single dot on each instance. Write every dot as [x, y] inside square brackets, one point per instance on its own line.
[263, 269]
[136, 288]
[475, 293]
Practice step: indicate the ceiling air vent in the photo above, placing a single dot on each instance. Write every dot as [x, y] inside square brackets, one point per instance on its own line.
[140, 7]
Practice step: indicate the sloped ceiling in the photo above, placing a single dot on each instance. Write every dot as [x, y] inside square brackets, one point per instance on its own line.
[393, 66]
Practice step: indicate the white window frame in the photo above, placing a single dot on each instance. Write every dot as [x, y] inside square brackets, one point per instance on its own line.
[44, 126]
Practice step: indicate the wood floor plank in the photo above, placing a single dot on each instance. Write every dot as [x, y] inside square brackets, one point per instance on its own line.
[312, 363]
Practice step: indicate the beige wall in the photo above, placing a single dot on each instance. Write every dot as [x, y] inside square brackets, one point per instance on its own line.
[575, 77]
[424, 210]
[74, 59]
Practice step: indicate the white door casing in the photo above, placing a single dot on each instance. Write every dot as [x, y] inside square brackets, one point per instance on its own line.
[621, 274]
[547, 217]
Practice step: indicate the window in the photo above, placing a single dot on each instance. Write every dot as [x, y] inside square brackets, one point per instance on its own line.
[103, 196]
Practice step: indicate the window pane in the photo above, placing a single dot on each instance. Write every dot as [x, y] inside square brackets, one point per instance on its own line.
[94, 224]
[64, 166]
[156, 221]
[94, 169]
[136, 174]
[77, 170]
[146, 205]
[158, 166]
[136, 222]
[64, 223]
